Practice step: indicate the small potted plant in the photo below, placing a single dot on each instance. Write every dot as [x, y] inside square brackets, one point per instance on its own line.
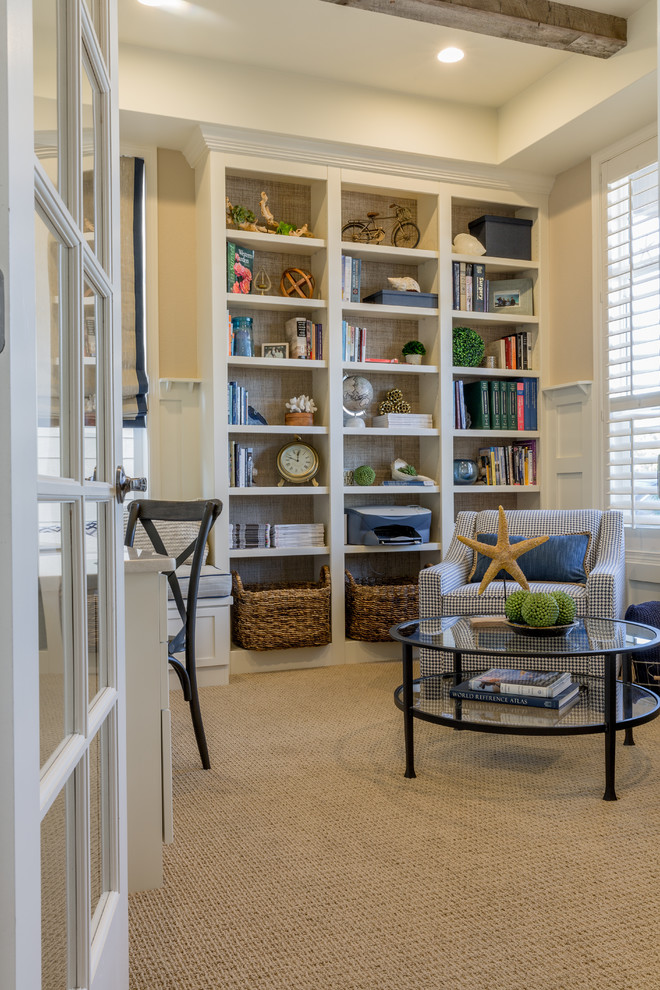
[301, 411]
[413, 351]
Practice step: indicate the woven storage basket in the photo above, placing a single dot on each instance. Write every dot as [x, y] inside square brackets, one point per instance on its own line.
[279, 617]
[373, 606]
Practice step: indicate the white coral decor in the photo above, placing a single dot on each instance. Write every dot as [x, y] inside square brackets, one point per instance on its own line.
[301, 403]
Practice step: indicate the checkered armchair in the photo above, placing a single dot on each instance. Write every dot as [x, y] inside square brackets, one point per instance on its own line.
[444, 589]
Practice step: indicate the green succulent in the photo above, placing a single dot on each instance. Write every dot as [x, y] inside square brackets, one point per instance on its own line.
[513, 605]
[567, 607]
[364, 475]
[540, 609]
[468, 347]
[408, 469]
[285, 228]
[240, 214]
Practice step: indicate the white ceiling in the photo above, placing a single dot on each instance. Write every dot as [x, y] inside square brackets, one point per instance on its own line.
[334, 42]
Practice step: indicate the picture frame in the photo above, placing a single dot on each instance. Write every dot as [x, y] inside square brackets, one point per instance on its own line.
[278, 350]
[511, 296]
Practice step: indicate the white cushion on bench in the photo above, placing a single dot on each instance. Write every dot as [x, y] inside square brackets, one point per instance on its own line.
[213, 583]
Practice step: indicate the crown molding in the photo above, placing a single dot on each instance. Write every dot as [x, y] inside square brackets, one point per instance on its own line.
[265, 144]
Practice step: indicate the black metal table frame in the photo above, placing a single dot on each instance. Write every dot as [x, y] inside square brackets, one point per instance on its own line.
[610, 726]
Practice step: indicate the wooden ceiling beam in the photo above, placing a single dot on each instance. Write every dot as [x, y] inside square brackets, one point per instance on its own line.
[533, 22]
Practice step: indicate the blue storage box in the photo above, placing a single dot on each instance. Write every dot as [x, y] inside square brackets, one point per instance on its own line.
[392, 297]
[504, 237]
[388, 525]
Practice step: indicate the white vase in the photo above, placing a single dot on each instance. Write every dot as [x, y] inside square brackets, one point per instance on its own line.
[413, 358]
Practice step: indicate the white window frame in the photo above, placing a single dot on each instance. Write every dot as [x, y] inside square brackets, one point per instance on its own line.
[642, 538]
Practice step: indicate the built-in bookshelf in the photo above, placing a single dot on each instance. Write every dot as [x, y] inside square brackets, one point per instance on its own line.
[522, 349]
[326, 198]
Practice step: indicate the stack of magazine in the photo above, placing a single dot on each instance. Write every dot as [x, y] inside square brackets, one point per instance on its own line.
[518, 697]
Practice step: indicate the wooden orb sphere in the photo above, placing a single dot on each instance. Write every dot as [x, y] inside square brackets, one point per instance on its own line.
[296, 282]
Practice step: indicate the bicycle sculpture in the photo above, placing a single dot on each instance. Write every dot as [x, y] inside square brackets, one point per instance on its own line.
[405, 232]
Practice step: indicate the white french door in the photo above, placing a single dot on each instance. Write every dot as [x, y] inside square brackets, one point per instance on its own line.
[62, 725]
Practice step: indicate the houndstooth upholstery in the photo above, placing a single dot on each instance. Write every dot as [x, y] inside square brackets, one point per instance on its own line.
[443, 588]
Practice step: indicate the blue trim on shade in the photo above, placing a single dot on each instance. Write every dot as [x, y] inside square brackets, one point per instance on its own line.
[140, 420]
[560, 558]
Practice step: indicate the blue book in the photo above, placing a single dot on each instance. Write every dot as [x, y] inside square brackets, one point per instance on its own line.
[467, 693]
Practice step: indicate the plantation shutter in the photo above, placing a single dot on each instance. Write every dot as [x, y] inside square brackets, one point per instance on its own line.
[632, 346]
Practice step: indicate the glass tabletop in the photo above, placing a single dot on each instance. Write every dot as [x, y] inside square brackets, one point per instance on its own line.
[495, 636]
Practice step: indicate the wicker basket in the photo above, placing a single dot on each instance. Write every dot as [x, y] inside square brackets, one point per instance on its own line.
[373, 606]
[279, 617]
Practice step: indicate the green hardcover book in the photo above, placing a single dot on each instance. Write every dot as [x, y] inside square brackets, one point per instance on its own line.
[512, 405]
[495, 405]
[477, 404]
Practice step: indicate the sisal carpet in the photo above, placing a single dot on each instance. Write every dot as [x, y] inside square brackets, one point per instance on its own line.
[304, 860]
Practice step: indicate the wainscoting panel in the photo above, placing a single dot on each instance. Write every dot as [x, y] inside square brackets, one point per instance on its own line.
[569, 461]
[179, 440]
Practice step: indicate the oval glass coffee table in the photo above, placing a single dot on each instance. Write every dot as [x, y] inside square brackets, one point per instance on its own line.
[604, 703]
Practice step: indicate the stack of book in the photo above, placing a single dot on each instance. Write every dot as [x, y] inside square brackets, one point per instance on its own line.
[298, 535]
[512, 351]
[492, 404]
[241, 465]
[511, 464]
[470, 288]
[305, 338]
[237, 404]
[549, 693]
[249, 536]
[405, 421]
[354, 342]
[351, 275]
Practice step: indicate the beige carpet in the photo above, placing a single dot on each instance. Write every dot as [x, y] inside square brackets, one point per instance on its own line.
[304, 860]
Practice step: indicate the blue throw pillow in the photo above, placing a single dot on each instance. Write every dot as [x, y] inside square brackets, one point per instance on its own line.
[560, 558]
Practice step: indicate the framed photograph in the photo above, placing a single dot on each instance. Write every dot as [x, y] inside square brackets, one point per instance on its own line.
[511, 295]
[280, 350]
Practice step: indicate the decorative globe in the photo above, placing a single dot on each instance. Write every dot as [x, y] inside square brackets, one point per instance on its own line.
[358, 393]
[466, 472]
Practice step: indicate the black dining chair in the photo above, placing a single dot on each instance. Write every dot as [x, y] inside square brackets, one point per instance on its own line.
[180, 530]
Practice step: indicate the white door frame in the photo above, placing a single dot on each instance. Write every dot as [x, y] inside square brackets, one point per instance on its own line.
[103, 962]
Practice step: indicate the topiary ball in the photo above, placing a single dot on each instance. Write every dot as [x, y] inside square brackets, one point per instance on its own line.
[539, 609]
[567, 607]
[514, 604]
[364, 475]
[468, 348]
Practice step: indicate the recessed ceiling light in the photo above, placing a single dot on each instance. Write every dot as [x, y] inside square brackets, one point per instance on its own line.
[450, 55]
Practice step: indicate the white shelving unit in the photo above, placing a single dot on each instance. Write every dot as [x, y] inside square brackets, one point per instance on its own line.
[326, 197]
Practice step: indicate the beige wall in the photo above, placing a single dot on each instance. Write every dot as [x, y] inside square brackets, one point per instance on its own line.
[177, 267]
[569, 351]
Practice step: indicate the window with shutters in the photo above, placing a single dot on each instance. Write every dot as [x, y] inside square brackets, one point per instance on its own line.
[631, 307]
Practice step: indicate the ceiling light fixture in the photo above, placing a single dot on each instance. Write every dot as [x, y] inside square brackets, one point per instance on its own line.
[450, 55]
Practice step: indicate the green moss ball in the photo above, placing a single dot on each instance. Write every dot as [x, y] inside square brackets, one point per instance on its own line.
[364, 475]
[468, 347]
[567, 607]
[513, 605]
[540, 609]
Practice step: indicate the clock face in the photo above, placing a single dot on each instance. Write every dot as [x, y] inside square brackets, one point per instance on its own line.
[297, 462]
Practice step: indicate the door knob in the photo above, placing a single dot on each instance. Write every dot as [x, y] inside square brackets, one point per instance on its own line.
[124, 484]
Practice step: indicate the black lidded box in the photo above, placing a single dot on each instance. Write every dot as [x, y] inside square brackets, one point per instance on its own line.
[393, 297]
[504, 237]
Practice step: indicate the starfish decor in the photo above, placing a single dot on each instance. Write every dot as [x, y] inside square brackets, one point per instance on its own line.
[504, 554]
